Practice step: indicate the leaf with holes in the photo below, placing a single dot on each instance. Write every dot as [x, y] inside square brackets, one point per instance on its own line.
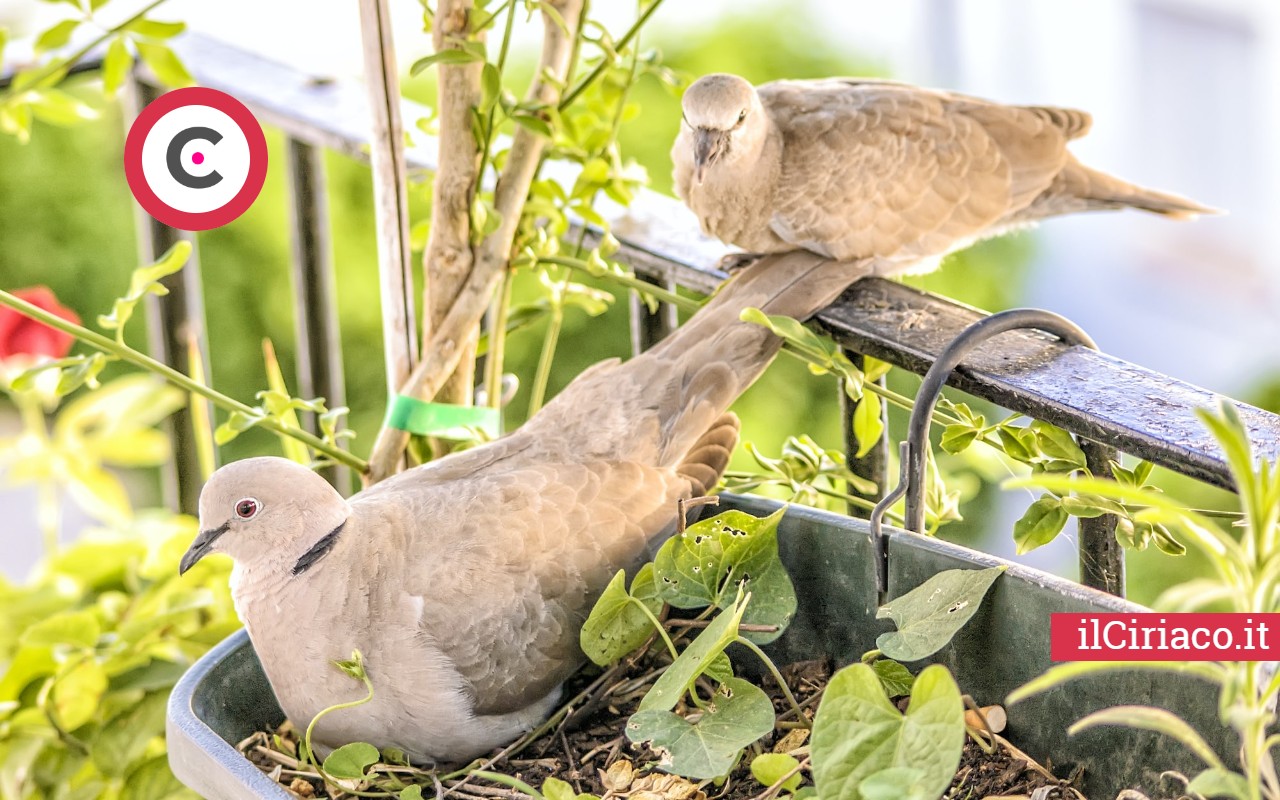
[707, 564]
[864, 749]
[930, 614]
[617, 625]
[738, 715]
[698, 658]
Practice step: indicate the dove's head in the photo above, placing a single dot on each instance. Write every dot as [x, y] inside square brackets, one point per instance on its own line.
[262, 510]
[724, 116]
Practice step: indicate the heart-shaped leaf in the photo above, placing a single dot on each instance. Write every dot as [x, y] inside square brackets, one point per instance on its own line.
[351, 760]
[617, 625]
[739, 714]
[859, 737]
[708, 563]
[930, 614]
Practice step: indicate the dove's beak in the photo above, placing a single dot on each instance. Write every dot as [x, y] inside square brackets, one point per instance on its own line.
[201, 547]
[707, 145]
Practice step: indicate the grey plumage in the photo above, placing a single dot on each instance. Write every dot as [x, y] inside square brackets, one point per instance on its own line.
[464, 582]
[853, 169]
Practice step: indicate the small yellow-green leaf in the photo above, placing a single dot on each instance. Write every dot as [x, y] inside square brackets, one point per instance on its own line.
[115, 66]
[769, 768]
[449, 56]
[868, 426]
[72, 628]
[56, 36]
[896, 679]
[1219, 783]
[1041, 524]
[165, 64]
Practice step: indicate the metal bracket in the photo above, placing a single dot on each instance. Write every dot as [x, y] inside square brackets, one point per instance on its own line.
[914, 451]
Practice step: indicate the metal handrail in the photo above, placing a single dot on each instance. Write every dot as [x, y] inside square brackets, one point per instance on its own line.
[1097, 397]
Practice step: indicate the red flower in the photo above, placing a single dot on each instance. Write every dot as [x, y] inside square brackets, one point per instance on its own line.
[22, 336]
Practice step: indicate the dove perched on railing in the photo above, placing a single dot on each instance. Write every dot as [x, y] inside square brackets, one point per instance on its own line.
[853, 169]
[465, 582]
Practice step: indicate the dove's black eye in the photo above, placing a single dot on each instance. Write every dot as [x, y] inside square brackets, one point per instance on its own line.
[742, 115]
[247, 508]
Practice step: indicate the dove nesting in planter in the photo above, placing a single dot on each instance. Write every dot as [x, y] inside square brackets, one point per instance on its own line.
[464, 582]
[854, 168]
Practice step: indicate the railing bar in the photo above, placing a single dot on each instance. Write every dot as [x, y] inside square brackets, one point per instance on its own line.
[318, 342]
[172, 321]
[1101, 556]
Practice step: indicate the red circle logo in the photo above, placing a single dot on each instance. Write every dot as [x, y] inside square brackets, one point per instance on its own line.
[195, 158]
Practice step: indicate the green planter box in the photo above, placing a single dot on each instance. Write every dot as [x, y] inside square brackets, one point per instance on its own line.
[225, 696]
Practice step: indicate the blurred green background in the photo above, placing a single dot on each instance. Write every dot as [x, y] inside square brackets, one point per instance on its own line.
[67, 221]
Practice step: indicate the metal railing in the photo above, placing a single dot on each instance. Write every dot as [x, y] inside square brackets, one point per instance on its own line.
[1108, 403]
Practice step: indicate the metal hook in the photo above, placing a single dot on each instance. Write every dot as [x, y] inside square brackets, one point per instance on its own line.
[914, 451]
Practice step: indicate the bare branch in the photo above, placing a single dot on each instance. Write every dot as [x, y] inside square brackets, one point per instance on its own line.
[448, 342]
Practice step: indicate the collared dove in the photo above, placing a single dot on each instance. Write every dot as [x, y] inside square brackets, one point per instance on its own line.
[465, 582]
[854, 169]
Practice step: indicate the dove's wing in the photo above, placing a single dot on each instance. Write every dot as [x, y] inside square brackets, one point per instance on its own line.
[526, 550]
[891, 170]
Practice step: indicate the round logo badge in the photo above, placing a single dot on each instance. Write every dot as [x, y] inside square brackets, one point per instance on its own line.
[195, 158]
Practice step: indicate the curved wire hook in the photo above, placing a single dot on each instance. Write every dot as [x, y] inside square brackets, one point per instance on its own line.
[914, 451]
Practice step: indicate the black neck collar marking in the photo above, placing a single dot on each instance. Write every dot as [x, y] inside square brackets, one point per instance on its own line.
[318, 550]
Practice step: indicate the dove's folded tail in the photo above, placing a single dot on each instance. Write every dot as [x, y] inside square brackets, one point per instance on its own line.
[1101, 191]
[694, 374]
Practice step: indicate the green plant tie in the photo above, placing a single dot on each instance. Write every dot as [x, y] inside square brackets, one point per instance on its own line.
[442, 420]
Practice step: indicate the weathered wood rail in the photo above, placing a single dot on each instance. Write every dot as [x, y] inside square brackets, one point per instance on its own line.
[1101, 399]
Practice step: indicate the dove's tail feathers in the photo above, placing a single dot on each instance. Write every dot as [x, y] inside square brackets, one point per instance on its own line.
[1115, 193]
[707, 460]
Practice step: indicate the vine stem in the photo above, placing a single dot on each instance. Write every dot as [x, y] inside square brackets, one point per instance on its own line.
[777, 676]
[582, 85]
[626, 281]
[173, 376]
[658, 626]
[53, 67]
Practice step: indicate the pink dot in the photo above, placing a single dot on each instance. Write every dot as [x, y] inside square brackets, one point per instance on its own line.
[197, 158]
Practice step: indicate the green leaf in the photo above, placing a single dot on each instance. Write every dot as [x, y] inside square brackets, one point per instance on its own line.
[151, 780]
[144, 281]
[1091, 505]
[83, 372]
[56, 36]
[708, 563]
[415, 793]
[868, 426]
[1041, 524]
[115, 66]
[957, 438]
[351, 760]
[929, 615]
[77, 694]
[1062, 673]
[152, 29]
[1151, 719]
[1220, 783]
[124, 738]
[897, 783]
[448, 56]
[858, 734]
[1013, 446]
[556, 789]
[616, 626]
[768, 769]
[695, 660]
[896, 679]
[738, 715]
[56, 107]
[354, 666]
[490, 87]
[73, 628]
[1057, 443]
[165, 64]
[533, 123]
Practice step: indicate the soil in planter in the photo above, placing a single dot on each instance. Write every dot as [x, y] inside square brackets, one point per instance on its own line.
[590, 751]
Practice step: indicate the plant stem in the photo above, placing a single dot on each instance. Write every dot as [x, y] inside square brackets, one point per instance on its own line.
[662, 629]
[582, 85]
[627, 281]
[125, 353]
[777, 676]
[538, 392]
[57, 64]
